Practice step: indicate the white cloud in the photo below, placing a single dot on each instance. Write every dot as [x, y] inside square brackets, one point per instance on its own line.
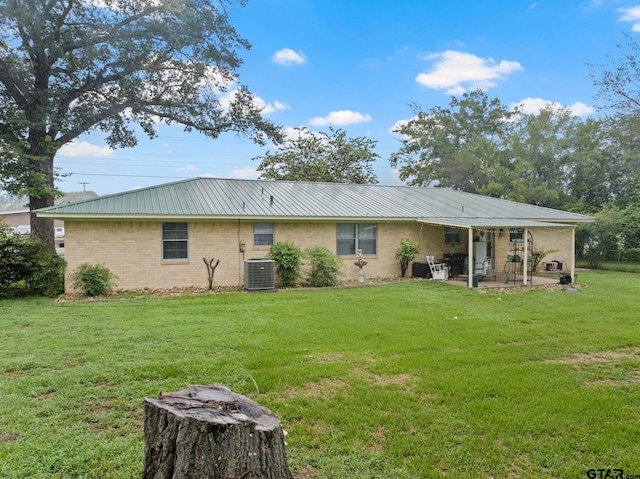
[286, 56]
[458, 71]
[532, 106]
[207, 175]
[592, 5]
[631, 14]
[581, 109]
[84, 149]
[271, 107]
[248, 173]
[339, 118]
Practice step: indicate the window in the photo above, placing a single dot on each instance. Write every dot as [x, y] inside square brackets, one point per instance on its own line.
[515, 235]
[263, 234]
[175, 241]
[353, 236]
[451, 235]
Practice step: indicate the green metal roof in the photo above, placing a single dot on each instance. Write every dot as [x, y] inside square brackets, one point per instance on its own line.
[208, 198]
[490, 223]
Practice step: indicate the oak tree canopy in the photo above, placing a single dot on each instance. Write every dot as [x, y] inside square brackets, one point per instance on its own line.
[70, 66]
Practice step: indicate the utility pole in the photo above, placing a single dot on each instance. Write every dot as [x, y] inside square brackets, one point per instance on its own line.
[84, 186]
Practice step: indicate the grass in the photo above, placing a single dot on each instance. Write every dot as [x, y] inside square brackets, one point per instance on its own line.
[415, 379]
[626, 266]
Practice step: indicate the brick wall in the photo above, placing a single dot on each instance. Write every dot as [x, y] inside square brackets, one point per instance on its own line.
[132, 250]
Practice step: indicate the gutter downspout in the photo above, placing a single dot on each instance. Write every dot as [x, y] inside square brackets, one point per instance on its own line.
[471, 264]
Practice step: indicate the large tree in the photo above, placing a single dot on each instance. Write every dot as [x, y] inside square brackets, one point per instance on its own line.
[541, 147]
[328, 157]
[456, 147]
[69, 66]
[550, 157]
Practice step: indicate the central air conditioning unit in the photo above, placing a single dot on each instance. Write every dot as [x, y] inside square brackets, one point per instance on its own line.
[259, 274]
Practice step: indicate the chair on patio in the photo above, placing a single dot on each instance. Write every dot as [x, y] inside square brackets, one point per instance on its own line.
[439, 271]
[487, 270]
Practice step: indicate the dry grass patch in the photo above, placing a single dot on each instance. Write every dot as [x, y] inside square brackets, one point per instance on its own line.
[403, 380]
[606, 368]
[325, 388]
[5, 438]
[327, 358]
[307, 472]
[606, 357]
[379, 438]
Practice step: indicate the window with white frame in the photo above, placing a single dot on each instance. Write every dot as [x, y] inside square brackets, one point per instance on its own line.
[263, 234]
[175, 241]
[354, 236]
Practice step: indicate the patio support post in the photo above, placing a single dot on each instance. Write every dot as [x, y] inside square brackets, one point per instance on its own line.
[472, 266]
[573, 253]
[525, 257]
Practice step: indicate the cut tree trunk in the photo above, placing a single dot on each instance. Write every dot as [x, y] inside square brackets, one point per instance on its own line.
[211, 432]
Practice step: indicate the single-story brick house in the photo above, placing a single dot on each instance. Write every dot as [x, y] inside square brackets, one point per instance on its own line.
[156, 237]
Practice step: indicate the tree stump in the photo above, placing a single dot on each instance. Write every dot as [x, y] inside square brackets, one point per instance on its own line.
[211, 432]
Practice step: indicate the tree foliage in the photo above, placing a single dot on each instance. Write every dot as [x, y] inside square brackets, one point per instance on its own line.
[325, 157]
[453, 147]
[69, 66]
[618, 82]
[551, 158]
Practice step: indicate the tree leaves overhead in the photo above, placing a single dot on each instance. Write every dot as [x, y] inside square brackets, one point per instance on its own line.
[69, 66]
[325, 157]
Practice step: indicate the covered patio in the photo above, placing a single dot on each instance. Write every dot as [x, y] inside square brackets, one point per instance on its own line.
[512, 273]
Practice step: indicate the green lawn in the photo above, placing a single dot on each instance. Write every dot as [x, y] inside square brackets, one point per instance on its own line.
[627, 266]
[412, 380]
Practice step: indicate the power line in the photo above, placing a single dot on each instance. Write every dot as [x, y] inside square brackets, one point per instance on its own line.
[130, 176]
[388, 183]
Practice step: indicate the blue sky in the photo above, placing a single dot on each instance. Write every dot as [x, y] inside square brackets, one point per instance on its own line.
[357, 65]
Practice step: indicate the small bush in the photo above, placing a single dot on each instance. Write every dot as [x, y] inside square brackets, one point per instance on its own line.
[288, 258]
[405, 253]
[92, 279]
[325, 267]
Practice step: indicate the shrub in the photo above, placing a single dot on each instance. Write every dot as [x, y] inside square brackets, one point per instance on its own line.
[324, 266]
[288, 258]
[28, 267]
[538, 255]
[92, 279]
[48, 278]
[405, 253]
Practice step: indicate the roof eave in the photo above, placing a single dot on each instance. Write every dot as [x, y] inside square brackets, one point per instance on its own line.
[114, 216]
